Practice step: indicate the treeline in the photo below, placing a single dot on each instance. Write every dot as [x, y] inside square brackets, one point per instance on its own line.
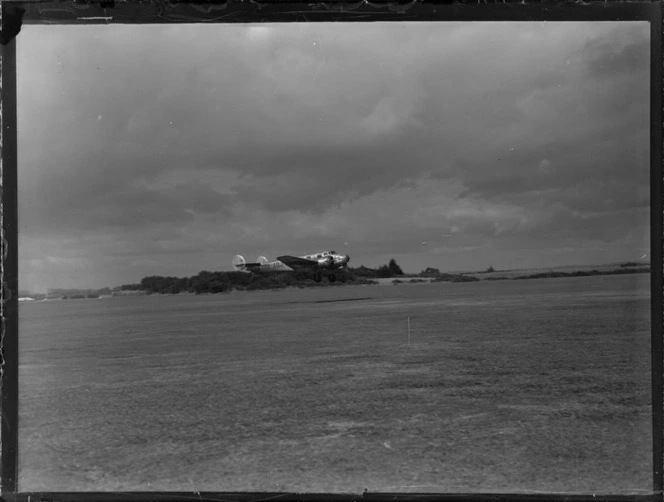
[80, 293]
[382, 272]
[80, 297]
[437, 276]
[583, 273]
[221, 282]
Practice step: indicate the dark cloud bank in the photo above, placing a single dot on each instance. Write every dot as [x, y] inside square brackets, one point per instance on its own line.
[528, 143]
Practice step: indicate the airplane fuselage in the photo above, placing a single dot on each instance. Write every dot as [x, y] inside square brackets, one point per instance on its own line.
[276, 266]
[319, 263]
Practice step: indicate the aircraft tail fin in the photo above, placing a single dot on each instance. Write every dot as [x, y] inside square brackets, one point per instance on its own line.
[239, 263]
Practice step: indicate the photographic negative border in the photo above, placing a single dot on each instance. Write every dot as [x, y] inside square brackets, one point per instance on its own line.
[76, 12]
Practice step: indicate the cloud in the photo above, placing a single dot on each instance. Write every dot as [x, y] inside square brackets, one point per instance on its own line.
[303, 135]
[625, 53]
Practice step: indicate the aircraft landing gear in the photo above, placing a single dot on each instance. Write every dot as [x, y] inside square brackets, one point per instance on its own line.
[318, 277]
[332, 277]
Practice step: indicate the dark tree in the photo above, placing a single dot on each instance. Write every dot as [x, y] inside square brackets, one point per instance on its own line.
[394, 268]
[130, 287]
[384, 271]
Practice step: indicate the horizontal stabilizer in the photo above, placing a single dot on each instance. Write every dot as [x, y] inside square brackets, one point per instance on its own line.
[240, 265]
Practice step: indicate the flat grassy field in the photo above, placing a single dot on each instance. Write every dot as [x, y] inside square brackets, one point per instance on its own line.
[504, 386]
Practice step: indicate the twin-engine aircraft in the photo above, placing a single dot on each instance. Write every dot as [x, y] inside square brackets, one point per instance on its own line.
[320, 263]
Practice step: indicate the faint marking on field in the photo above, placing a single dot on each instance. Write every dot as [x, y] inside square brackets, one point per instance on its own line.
[346, 425]
[335, 300]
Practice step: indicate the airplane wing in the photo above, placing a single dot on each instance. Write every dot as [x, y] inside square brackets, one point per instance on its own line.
[296, 262]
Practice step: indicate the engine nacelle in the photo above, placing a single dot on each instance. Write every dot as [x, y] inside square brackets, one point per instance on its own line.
[326, 262]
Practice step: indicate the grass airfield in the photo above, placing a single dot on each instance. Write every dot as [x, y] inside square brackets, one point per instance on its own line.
[519, 386]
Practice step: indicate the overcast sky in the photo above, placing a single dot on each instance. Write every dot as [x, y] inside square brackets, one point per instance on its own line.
[166, 150]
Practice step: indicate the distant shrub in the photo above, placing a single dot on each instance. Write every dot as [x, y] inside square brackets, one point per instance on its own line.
[465, 278]
[544, 275]
[131, 287]
[430, 272]
[583, 273]
[221, 282]
[455, 278]
[384, 271]
[411, 281]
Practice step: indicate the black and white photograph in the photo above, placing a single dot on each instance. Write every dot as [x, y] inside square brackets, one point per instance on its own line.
[329, 257]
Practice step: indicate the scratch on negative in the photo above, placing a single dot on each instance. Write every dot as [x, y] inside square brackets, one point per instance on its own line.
[96, 18]
[2, 238]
